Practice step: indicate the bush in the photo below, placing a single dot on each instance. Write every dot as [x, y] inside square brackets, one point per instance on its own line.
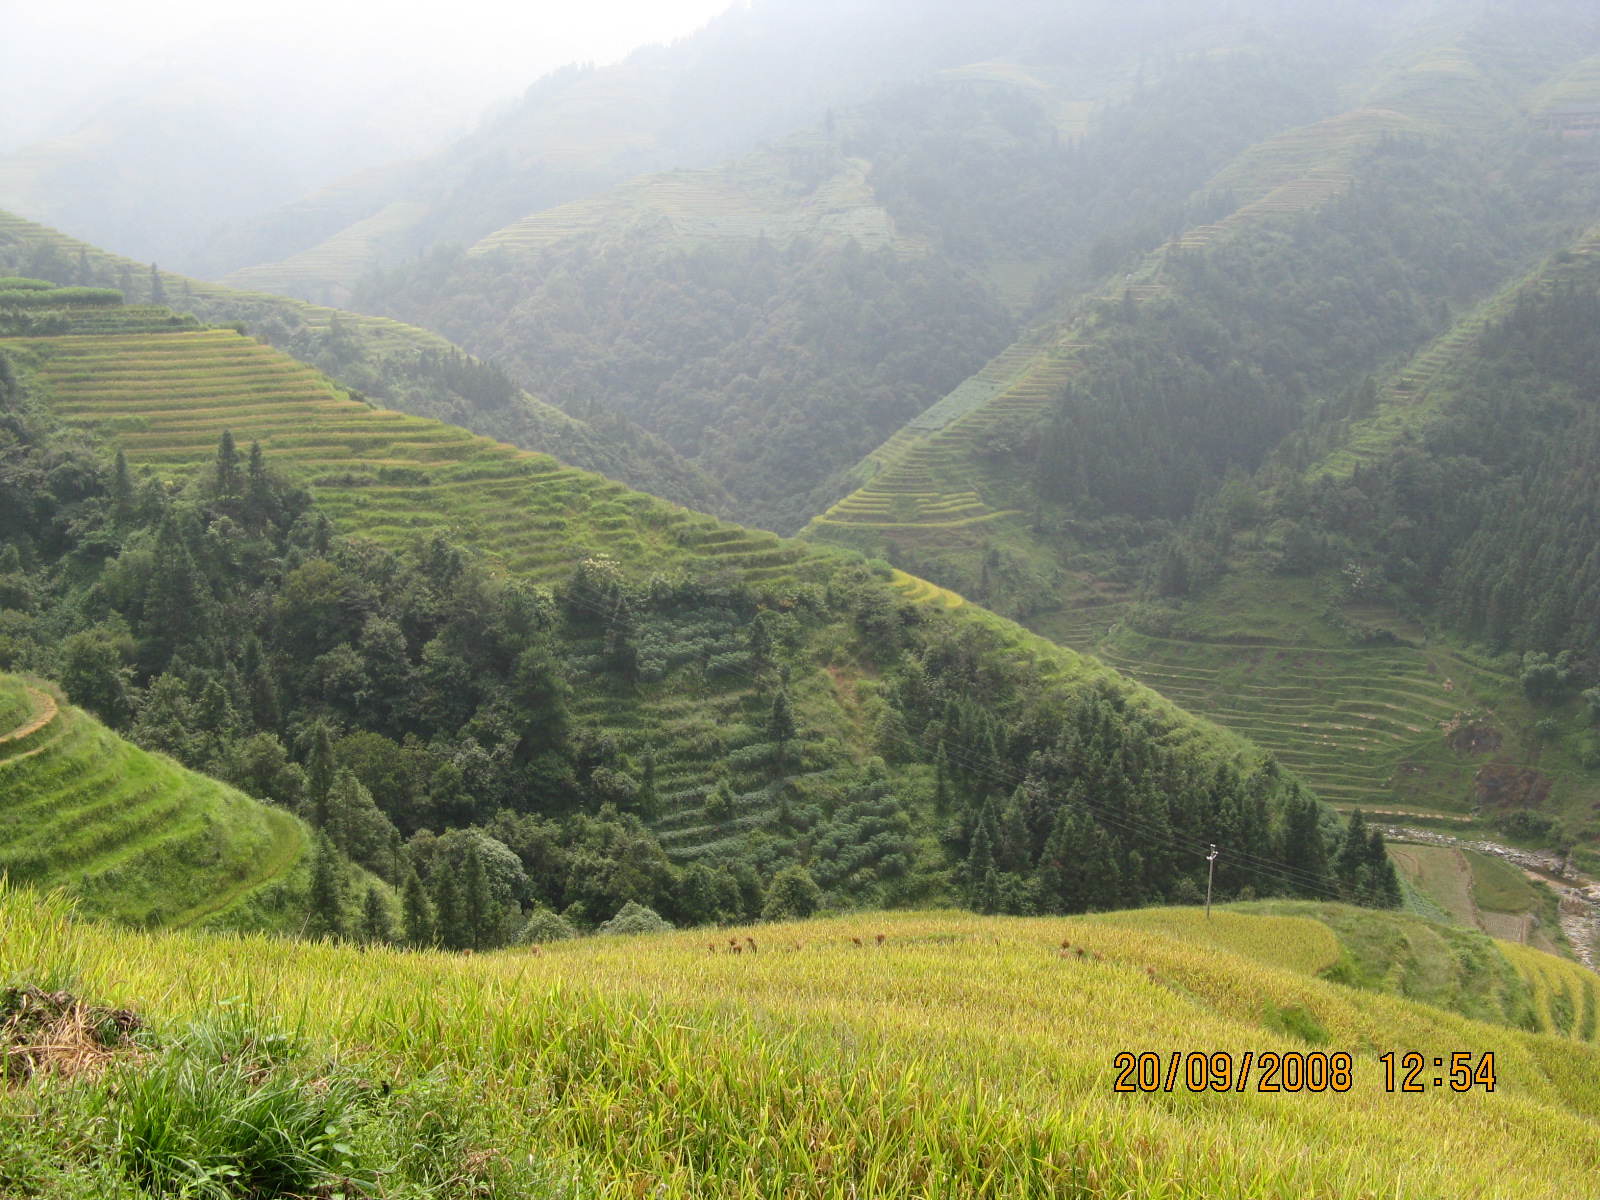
[793, 896]
[636, 918]
[77, 297]
[546, 926]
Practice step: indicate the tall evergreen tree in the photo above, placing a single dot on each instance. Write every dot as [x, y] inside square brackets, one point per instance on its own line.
[449, 911]
[327, 890]
[479, 916]
[122, 498]
[227, 466]
[320, 776]
[417, 912]
[780, 725]
[377, 926]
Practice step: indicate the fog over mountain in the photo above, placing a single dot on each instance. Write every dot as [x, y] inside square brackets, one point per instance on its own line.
[179, 120]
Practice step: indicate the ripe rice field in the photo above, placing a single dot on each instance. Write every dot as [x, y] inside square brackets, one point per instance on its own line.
[133, 835]
[960, 1056]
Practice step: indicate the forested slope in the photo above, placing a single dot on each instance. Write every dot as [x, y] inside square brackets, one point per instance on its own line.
[1316, 321]
[626, 701]
[759, 71]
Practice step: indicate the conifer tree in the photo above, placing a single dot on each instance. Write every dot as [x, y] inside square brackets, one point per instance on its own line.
[417, 912]
[376, 924]
[327, 890]
[257, 489]
[227, 466]
[449, 914]
[1354, 853]
[122, 499]
[319, 776]
[780, 725]
[479, 917]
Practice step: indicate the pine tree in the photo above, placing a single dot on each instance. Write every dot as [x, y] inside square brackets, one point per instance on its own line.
[1303, 849]
[344, 798]
[449, 918]
[478, 909]
[327, 890]
[158, 293]
[122, 498]
[1385, 881]
[759, 640]
[1354, 853]
[780, 725]
[376, 923]
[257, 489]
[981, 874]
[319, 776]
[417, 912]
[227, 466]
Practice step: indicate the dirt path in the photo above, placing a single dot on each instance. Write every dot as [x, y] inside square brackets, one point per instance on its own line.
[45, 710]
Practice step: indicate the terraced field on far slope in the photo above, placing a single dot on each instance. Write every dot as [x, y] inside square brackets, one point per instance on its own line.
[1404, 725]
[382, 474]
[132, 835]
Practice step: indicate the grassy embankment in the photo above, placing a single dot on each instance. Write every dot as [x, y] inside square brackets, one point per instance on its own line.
[134, 836]
[962, 1056]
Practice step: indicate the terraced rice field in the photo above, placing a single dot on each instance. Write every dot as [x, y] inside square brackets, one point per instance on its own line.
[1347, 721]
[324, 273]
[922, 477]
[168, 398]
[1565, 995]
[890, 1055]
[133, 835]
[712, 206]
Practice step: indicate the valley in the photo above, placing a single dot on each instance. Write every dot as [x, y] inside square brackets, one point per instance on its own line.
[881, 600]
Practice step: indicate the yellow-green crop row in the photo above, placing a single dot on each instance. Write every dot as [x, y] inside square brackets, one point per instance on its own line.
[962, 1056]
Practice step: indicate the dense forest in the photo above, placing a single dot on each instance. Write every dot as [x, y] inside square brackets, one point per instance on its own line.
[1486, 519]
[418, 710]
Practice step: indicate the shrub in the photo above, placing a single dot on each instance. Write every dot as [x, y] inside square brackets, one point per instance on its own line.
[794, 895]
[546, 926]
[636, 918]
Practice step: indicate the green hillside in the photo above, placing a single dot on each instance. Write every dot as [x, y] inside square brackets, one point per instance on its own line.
[131, 836]
[395, 364]
[1048, 486]
[632, 701]
[980, 1061]
[756, 73]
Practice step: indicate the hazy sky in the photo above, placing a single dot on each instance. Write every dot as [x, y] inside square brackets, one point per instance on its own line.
[56, 55]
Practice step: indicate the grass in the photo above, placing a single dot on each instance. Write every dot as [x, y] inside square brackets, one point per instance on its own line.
[1442, 872]
[134, 836]
[1499, 887]
[964, 1056]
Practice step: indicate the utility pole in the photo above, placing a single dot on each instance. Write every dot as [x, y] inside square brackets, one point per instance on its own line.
[1211, 871]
